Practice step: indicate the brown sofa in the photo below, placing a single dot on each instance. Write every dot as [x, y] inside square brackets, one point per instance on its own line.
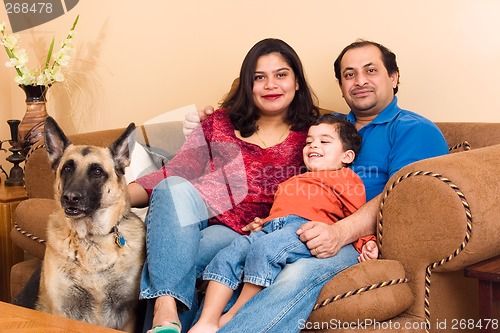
[437, 217]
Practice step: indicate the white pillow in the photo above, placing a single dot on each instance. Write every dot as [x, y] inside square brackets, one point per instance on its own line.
[140, 164]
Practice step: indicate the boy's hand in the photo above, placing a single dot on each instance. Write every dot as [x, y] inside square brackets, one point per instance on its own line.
[368, 251]
[255, 225]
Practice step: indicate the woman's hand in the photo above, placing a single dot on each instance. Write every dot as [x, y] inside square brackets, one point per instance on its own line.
[193, 119]
[323, 240]
[138, 196]
[255, 225]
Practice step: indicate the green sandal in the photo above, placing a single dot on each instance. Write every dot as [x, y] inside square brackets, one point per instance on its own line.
[167, 329]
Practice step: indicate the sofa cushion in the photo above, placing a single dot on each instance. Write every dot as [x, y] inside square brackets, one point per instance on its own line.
[374, 290]
[29, 234]
[20, 274]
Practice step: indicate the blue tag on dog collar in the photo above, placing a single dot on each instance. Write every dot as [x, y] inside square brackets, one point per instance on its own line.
[119, 239]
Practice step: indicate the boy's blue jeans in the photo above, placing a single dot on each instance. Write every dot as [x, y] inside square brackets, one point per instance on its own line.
[259, 257]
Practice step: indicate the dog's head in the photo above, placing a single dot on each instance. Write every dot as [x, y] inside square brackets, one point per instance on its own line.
[89, 179]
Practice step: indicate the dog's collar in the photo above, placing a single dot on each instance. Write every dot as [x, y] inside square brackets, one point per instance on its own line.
[119, 239]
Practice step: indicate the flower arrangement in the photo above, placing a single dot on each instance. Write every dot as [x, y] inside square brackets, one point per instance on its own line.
[41, 76]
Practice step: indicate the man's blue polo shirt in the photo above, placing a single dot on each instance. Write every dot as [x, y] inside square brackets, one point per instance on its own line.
[394, 139]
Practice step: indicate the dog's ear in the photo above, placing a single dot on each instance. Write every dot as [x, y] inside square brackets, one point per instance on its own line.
[121, 149]
[55, 141]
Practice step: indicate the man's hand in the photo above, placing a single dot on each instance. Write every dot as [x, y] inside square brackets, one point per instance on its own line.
[255, 225]
[368, 251]
[193, 119]
[323, 240]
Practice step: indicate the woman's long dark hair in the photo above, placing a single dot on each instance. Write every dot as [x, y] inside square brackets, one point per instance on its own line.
[242, 110]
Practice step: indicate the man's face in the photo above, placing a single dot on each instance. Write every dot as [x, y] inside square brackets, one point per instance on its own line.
[366, 85]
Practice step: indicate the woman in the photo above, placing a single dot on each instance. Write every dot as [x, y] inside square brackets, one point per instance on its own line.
[224, 175]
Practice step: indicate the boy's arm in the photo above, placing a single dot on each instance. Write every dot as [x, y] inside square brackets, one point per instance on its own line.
[329, 239]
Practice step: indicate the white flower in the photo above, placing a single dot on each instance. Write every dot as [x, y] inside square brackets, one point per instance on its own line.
[57, 75]
[45, 75]
[26, 79]
[63, 57]
[10, 41]
[20, 59]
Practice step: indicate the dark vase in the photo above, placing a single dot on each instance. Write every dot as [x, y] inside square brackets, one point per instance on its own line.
[32, 125]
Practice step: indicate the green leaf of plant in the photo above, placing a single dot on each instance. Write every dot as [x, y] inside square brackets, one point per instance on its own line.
[49, 55]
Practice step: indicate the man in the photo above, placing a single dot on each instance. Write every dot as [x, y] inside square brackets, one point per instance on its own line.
[368, 77]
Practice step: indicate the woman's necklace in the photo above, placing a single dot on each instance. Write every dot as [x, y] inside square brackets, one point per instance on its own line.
[278, 141]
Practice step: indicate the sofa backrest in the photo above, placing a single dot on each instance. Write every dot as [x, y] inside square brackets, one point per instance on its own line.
[476, 134]
[167, 138]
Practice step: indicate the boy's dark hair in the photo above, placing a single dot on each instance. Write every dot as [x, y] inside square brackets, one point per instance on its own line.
[388, 58]
[351, 140]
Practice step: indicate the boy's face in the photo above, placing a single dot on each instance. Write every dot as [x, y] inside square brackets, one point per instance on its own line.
[323, 149]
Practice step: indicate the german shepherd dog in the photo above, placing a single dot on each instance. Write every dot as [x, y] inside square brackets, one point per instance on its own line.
[95, 245]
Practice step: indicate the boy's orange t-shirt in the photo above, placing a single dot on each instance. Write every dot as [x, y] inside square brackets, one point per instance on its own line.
[326, 196]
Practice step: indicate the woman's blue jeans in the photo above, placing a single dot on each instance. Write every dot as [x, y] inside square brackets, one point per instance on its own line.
[179, 245]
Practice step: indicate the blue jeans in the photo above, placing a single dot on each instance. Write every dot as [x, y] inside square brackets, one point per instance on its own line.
[286, 304]
[178, 252]
[259, 257]
[179, 245]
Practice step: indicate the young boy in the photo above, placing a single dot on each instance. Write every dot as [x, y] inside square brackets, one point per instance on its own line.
[328, 192]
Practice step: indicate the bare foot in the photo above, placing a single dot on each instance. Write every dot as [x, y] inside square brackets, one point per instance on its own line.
[204, 327]
[165, 312]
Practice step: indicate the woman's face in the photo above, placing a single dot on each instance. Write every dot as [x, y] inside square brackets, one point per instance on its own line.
[274, 84]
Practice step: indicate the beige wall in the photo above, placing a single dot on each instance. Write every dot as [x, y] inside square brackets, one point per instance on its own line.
[137, 59]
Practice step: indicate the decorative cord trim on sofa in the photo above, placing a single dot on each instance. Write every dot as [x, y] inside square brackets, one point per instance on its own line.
[34, 148]
[27, 234]
[428, 270]
[359, 291]
[466, 146]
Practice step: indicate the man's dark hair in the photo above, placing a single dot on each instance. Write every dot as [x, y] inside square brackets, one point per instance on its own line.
[351, 140]
[388, 58]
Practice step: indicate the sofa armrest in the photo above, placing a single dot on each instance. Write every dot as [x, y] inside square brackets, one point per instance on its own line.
[443, 210]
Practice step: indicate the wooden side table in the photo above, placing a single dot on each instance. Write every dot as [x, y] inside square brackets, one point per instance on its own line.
[488, 274]
[10, 197]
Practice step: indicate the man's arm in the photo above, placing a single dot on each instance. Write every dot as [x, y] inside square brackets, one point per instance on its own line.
[329, 239]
